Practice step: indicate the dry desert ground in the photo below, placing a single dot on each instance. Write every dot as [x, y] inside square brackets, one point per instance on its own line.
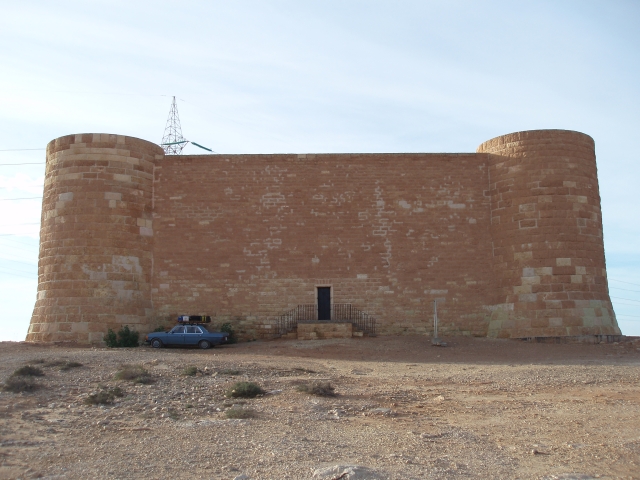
[401, 409]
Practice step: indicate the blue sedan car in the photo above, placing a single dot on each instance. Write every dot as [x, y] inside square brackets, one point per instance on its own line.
[187, 335]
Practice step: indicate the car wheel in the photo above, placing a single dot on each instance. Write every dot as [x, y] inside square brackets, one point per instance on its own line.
[155, 343]
[204, 344]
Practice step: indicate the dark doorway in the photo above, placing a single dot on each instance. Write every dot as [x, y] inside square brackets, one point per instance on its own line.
[324, 303]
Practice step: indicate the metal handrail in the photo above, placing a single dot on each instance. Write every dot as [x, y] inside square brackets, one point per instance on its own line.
[340, 312]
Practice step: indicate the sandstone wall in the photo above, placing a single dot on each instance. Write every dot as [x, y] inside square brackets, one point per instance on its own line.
[508, 240]
[95, 265]
[248, 237]
[546, 225]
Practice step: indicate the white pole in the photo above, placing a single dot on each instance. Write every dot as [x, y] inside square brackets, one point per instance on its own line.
[435, 319]
[436, 341]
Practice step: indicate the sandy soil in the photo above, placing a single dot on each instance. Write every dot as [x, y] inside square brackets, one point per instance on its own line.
[403, 409]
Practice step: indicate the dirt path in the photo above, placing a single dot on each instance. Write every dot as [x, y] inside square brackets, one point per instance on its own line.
[403, 409]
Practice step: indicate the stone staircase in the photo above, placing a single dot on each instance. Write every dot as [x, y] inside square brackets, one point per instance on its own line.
[346, 321]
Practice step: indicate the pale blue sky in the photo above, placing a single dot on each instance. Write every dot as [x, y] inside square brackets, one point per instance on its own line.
[318, 76]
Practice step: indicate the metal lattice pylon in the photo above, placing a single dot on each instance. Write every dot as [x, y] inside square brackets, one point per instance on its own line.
[172, 141]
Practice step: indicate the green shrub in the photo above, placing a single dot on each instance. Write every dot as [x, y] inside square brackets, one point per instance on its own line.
[134, 373]
[111, 339]
[172, 414]
[20, 384]
[56, 362]
[227, 328]
[240, 413]
[123, 339]
[69, 365]
[304, 370]
[320, 389]
[28, 371]
[160, 329]
[104, 396]
[244, 390]
[229, 371]
[191, 370]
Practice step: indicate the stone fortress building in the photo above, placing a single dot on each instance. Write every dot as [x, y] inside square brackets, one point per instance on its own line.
[508, 240]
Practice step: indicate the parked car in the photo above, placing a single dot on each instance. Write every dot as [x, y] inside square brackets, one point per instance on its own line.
[187, 335]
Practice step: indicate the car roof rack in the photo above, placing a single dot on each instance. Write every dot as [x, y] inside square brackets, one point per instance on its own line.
[193, 319]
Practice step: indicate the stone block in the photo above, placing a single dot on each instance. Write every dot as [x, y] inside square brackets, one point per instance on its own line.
[519, 289]
[522, 256]
[323, 330]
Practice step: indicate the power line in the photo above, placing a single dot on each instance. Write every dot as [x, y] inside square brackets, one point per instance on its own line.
[16, 234]
[614, 280]
[19, 224]
[75, 92]
[29, 271]
[31, 264]
[26, 163]
[21, 149]
[26, 275]
[626, 289]
[21, 198]
[30, 253]
[16, 267]
[630, 299]
[19, 246]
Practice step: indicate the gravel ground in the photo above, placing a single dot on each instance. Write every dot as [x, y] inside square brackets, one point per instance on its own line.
[402, 409]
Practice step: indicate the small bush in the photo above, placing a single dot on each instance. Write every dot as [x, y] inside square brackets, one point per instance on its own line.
[28, 371]
[104, 397]
[244, 390]
[240, 413]
[320, 389]
[111, 339]
[69, 365]
[19, 384]
[172, 414]
[54, 363]
[160, 329]
[304, 370]
[191, 370]
[123, 339]
[57, 362]
[228, 371]
[134, 373]
[227, 328]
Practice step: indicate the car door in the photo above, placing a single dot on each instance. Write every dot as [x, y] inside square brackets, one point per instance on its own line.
[192, 336]
[201, 333]
[175, 336]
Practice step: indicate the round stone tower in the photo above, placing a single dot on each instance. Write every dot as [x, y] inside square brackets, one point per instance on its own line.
[546, 225]
[95, 263]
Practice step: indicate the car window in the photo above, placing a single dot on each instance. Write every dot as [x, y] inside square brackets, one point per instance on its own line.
[198, 330]
[192, 330]
[177, 330]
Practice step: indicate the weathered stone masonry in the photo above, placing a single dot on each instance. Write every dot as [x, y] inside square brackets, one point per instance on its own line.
[509, 239]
